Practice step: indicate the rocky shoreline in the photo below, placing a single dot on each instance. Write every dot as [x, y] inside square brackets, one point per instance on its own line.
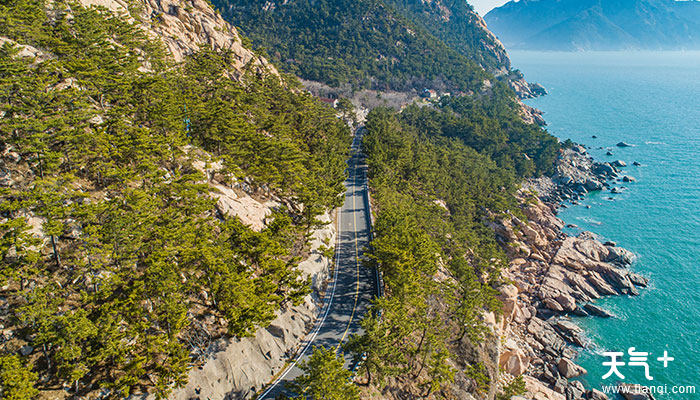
[556, 276]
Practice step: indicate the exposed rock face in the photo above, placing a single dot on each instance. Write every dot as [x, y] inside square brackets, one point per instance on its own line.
[26, 51]
[183, 26]
[526, 90]
[238, 368]
[531, 115]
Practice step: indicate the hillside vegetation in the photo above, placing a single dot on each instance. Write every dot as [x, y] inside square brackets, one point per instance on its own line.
[437, 174]
[456, 24]
[365, 43]
[117, 268]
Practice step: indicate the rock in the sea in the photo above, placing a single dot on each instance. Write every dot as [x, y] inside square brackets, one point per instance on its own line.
[623, 144]
[609, 153]
[596, 395]
[619, 163]
[571, 332]
[639, 280]
[619, 256]
[593, 309]
[580, 312]
[636, 164]
[633, 391]
[592, 185]
[594, 137]
[628, 178]
[569, 370]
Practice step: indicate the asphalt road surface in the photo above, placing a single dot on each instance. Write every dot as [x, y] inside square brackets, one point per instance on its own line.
[349, 294]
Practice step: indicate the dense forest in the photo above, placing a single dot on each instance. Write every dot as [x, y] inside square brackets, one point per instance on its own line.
[116, 265]
[456, 24]
[437, 173]
[364, 43]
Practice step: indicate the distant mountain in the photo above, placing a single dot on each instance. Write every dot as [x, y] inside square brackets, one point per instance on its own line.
[597, 24]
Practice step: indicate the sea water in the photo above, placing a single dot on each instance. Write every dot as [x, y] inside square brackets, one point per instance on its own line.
[651, 101]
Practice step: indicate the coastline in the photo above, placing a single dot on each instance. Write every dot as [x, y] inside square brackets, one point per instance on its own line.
[556, 276]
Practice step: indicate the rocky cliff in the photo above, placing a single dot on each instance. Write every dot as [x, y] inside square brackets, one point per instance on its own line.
[183, 26]
[556, 275]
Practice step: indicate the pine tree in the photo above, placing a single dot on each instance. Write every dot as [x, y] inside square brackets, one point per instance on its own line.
[325, 377]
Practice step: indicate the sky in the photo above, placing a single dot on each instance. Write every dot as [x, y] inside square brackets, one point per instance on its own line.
[484, 6]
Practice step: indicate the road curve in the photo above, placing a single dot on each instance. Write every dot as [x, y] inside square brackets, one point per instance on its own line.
[353, 287]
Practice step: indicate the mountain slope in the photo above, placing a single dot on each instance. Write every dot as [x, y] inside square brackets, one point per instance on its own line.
[455, 23]
[365, 43]
[597, 25]
[156, 193]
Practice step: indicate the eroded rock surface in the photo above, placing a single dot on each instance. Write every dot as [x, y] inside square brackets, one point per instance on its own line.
[554, 276]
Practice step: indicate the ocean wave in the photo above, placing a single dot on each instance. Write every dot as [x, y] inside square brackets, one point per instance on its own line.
[656, 143]
[589, 220]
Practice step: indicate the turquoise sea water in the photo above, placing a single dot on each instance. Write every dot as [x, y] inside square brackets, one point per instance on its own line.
[651, 100]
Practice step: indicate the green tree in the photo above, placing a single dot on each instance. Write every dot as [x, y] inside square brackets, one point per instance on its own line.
[325, 377]
[16, 379]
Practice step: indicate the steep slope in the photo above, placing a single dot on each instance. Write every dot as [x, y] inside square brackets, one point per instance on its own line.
[455, 23]
[157, 193]
[364, 43]
[598, 25]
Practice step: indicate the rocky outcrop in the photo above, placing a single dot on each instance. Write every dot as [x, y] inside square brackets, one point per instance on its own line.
[576, 173]
[526, 90]
[238, 368]
[554, 276]
[531, 115]
[183, 26]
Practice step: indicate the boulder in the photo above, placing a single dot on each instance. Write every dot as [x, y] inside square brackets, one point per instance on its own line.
[575, 390]
[580, 312]
[593, 309]
[619, 163]
[514, 362]
[633, 391]
[539, 391]
[578, 282]
[636, 164]
[567, 302]
[508, 291]
[638, 280]
[627, 178]
[571, 332]
[596, 395]
[617, 278]
[592, 185]
[553, 304]
[623, 144]
[26, 350]
[619, 256]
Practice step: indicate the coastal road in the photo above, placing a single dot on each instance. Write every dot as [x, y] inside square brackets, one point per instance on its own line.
[349, 294]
